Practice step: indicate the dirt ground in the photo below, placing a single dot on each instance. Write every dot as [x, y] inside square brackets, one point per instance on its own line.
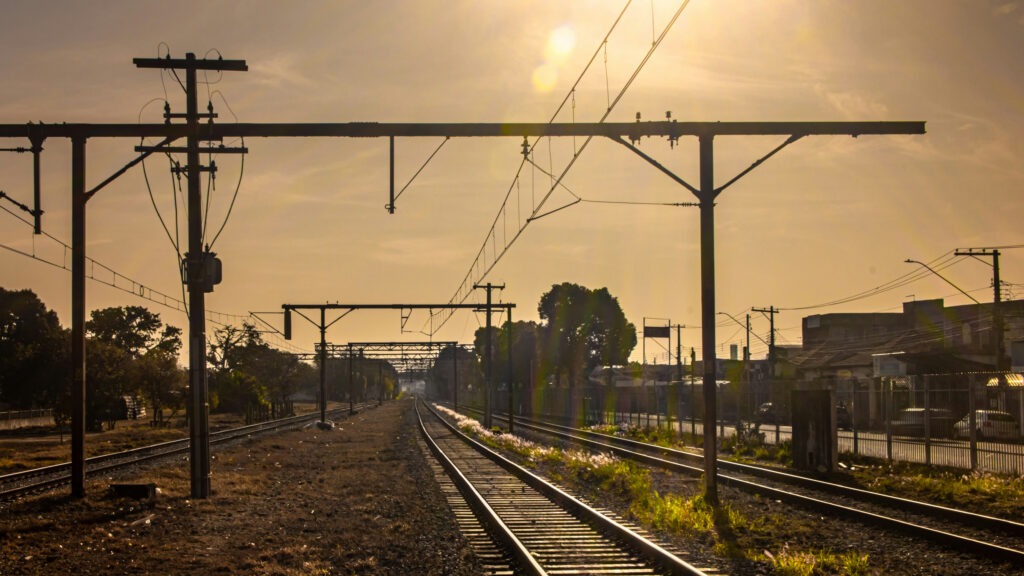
[356, 500]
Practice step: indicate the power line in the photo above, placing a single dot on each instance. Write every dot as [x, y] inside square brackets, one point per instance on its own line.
[482, 265]
[103, 274]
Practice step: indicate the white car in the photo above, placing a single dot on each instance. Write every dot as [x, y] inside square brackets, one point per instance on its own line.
[990, 424]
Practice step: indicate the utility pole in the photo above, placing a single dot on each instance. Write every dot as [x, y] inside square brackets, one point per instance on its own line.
[455, 377]
[771, 311]
[679, 352]
[511, 405]
[746, 349]
[488, 360]
[997, 311]
[746, 361]
[323, 325]
[202, 270]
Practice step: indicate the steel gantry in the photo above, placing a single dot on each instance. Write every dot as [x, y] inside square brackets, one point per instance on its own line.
[624, 133]
[409, 358]
[488, 307]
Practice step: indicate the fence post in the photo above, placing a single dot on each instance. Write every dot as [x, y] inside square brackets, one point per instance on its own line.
[887, 415]
[971, 423]
[927, 423]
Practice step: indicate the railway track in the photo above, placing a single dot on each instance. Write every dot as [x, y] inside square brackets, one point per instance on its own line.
[984, 536]
[49, 477]
[542, 529]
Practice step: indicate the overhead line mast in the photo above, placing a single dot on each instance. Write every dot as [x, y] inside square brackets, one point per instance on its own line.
[196, 265]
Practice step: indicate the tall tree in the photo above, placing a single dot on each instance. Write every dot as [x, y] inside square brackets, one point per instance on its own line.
[34, 352]
[248, 373]
[161, 381]
[525, 356]
[108, 372]
[443, 373]
[583, 329]
[134, 329]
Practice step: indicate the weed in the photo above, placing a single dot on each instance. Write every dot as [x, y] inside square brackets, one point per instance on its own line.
[795, 563]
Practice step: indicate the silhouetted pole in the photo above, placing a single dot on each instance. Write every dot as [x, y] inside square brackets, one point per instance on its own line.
[488, 359]
[771, 311]
[200, 424]
[511, 418]
[323, 365]
[707, 291]
[455, 377]
[198, 264]
[997, 309]
[78, 200]
[351, 382]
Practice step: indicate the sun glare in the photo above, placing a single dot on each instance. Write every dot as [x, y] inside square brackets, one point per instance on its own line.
[545, 77]
[560, 44]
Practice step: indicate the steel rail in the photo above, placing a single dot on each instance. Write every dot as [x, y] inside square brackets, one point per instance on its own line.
[963, 516]
[484, 512]
[59, 474]
[979, 547]
[640, 545]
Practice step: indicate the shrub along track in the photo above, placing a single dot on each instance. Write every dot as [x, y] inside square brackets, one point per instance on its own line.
[543, 529]
[941, 548]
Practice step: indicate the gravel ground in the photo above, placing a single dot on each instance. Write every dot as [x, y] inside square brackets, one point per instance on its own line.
[784, 529]
[361, 500]
[356, 500]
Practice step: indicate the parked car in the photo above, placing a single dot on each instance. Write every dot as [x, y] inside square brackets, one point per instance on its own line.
[990, 424]
[911, 422]
[765, 414]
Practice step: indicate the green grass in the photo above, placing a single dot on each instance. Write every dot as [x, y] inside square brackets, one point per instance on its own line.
[724, 527]
[820, 562]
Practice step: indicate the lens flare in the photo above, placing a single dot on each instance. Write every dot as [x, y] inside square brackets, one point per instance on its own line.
[545, 77]
[560, 43]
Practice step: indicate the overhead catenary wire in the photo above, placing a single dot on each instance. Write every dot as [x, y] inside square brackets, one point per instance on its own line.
[941, 263]
[463, 291]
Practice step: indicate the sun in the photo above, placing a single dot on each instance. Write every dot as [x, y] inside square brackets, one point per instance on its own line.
[559, 46]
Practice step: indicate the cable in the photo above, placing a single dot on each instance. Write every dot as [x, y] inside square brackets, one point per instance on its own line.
[241, 174]
[231, 206]
[462, 292]
[431, 157]
[946, 259]
[121, 282]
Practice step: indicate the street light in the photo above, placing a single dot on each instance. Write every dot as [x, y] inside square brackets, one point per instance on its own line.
[747, 328]
[909, 261]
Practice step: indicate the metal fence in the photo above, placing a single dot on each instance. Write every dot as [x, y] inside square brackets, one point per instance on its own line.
[22, 418]
[941, 419]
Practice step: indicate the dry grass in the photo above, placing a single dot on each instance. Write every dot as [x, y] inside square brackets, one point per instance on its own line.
[47, 447]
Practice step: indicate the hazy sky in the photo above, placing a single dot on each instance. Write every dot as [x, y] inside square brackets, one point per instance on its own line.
[826, 219]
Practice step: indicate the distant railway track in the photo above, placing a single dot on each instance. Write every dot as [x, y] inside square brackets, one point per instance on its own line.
[542, 528]
[49, 477]
[985, 536]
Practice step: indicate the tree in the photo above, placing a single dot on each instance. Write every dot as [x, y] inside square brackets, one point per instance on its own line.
[248, 374]
[34, 352]
[161, 381]
[133, 329]
[137, 354]
[584, 329]
[443, 373]
[108, 371]
[525, 354]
